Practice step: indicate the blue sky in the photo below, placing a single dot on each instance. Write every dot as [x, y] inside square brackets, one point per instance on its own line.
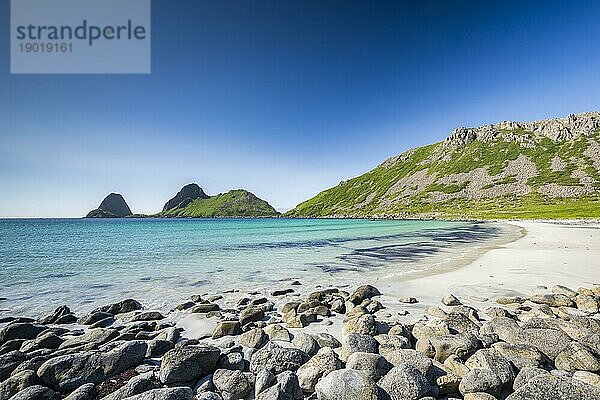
[285, 98]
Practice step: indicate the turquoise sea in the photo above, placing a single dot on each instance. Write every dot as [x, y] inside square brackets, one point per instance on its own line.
[85, 263]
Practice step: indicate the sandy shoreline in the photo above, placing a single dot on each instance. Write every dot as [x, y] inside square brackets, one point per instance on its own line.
[549, 253]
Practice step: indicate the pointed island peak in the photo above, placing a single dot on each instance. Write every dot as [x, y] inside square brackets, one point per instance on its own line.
[113, 206]
[185, 196]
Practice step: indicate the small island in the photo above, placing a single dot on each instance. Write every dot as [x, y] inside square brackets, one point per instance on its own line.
[113, 206]
[192, 202]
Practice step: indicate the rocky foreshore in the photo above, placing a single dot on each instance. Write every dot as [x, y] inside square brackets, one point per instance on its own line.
[282, 347]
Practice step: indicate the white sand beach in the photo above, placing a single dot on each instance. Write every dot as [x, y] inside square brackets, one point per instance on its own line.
[549, 253]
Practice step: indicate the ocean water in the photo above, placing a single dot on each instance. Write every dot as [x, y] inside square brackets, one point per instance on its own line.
[85, 263]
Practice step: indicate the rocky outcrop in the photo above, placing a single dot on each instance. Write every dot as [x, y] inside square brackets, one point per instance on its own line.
[185, 196]
[557, 129]
[113, 206]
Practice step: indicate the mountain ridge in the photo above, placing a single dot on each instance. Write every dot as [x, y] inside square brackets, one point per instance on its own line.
[540, 169]
[234, 203]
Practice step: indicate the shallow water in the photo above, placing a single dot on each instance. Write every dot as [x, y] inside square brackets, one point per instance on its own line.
[85, 263]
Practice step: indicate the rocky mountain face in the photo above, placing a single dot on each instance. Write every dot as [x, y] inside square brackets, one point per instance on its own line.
[541, 169]
[185, 196]
[235, 203]
[113, 206]
[569, 128]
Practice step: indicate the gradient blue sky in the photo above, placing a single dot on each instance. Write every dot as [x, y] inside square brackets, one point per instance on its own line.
[286, 98]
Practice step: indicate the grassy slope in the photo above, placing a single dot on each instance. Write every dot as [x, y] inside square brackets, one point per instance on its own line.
[235, 203]
[352, 197]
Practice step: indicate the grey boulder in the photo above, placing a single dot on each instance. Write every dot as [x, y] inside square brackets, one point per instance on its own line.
[306, 343]
[356, 342]
[527, 374]
[16, 383]
[20, 330]
[136, 385]
[363, 324]
[321, 364]
[577, 357]
[373, 365]
[277, 359]
[121, 307]
[480, 380]
[84, 392]
[62, 315]
[286, 388]
[92, 338]
[549, 341]
[226, 328]
[404, 382]
[264, 380]
[441, 347]
[492, 360]
[36, 392]
[9, 362]
[232, 384]
[208, 395]
[186, 363]
[68, 372]
[254, 338]
[251, 314]
[546, 387]
[346, 384]
[363, 292]
[233, 360]
[411, 357]
[390, 344]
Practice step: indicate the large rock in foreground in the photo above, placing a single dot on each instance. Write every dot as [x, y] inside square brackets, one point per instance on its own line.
[188, 363]
[277, 359]
[68, 372]
[113, 206]
[346, 384]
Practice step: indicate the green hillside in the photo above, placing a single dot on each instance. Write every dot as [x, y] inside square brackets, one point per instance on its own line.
[544, 169]
[235, 203]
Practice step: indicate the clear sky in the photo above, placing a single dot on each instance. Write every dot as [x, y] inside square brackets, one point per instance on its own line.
[286, 98]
